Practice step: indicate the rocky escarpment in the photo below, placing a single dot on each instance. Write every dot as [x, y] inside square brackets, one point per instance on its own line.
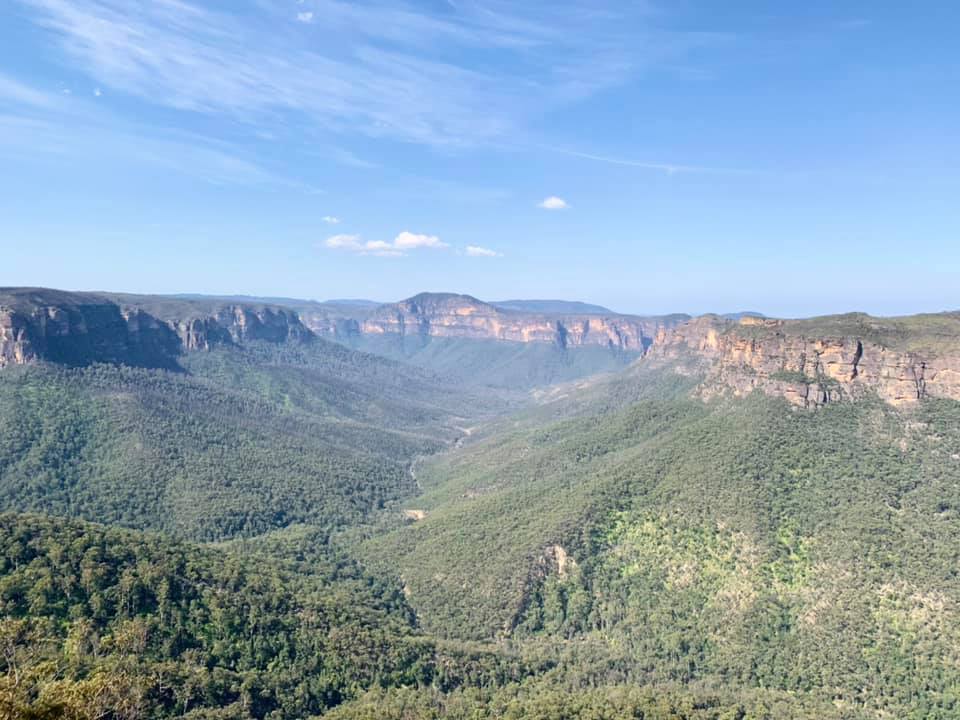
[462, 316]
[82, 328]
[822, 360]
[235, 324]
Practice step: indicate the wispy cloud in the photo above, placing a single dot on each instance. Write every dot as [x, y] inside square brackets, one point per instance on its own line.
[331, 220]
[16, 93]
[80, 133]
[385, 71]
[477, 251]
[669, 168]
[402, 244]
[553, 203]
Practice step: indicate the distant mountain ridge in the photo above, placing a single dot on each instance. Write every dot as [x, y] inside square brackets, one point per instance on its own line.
[454, 315]
[359, 302]
[559, 307]
[463, 338]
[742, 314]
[809, 362]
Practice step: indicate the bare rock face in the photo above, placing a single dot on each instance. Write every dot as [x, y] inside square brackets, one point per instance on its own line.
[16, 343]
[811, 364]
[82, 328]
[78, 334]
[462, 316]
[236, 324]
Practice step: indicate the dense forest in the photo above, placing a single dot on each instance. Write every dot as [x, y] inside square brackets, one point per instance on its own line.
[248, 441]
[284, 530]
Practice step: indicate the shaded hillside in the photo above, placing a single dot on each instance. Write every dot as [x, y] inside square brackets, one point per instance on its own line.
[247, 440]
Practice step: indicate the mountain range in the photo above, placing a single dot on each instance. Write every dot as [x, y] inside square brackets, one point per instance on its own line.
[230, 507]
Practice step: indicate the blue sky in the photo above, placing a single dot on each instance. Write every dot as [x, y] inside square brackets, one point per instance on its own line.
[793, 158]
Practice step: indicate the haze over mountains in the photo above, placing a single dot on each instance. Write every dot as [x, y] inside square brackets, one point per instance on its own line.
[225, 507]
[809, 361]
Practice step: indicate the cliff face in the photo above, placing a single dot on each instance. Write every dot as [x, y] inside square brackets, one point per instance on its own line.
[236, 324]
[901, 360]
[81, 328]
[461, 316]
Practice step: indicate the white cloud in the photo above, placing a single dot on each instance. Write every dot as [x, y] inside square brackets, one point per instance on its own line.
[344, 242]
[409, 241]
[381, 248]
[477, 251]
[97, 92]
[403, 242]
[305, 17]
[554, 203]
[331, 220]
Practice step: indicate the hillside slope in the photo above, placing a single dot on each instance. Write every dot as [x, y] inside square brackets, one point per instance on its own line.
[752, 519]
[249, 425]
[736, 543]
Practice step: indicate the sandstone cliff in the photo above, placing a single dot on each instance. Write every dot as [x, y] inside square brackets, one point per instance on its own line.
[80, 328]
[822, 360]
[462, 316]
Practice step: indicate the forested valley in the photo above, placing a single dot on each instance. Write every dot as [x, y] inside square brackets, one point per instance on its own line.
[291, 528]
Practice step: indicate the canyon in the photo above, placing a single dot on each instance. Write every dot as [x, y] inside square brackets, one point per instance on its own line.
[462, 316]
[810, 362]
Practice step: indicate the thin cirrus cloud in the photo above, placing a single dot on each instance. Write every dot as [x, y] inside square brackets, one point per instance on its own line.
[402, 244]
[43, 122]
[553, 203]
[15, 92]
[331, 220]
[477, 251]
[385, 70]
[122, 145]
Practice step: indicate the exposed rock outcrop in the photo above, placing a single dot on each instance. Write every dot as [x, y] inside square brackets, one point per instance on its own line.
[81, 328]
[462, 316]
[815, 362]
[236, 324]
